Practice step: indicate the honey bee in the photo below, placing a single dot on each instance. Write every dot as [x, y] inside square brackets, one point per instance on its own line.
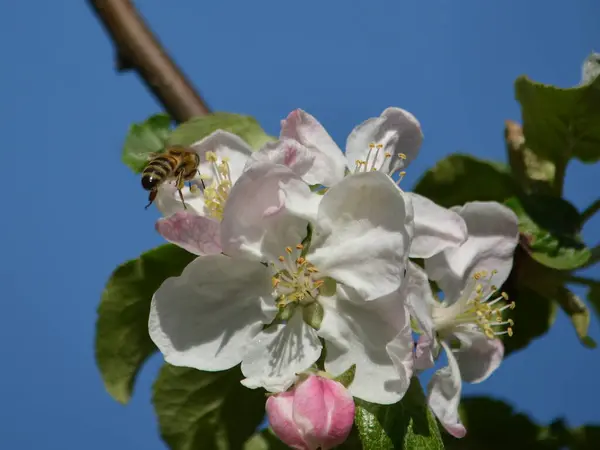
[176, 163]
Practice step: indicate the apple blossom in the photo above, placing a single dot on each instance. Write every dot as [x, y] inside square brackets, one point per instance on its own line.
[223, 157]
[316, 414]
[469, 320]
[386, 144]
[212, 316]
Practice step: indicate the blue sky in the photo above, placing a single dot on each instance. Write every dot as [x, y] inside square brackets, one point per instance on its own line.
[64, 114]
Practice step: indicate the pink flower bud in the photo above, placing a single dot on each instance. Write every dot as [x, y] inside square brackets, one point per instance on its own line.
[316, 414]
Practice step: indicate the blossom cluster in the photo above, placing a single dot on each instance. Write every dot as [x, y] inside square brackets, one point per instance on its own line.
[308, 253]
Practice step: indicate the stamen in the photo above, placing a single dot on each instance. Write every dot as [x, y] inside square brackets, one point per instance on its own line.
[294, 278]
[476, 305]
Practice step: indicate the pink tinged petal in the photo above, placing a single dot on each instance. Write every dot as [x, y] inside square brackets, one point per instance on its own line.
[263, 192]
[225, 145]
[329, 165]
[274, 357]
[424, 353]
[493, 235]
[323, 411]
[205, 317]
[280, 414]
[396, 129]
[357, 332]
[292, 154]
[419, 298]
[478, 356]
[363, 234]
[196, 234]
[444, 396]
[436, 228]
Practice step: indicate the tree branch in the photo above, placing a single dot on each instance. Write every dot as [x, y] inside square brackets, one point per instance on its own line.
[589, 212]
[137, 49]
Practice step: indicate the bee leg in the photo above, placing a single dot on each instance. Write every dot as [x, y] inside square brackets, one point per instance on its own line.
[151, 197]
[180, 186]
[201, 181]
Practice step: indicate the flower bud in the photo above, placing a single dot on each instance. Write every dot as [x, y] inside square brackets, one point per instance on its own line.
[316, 414]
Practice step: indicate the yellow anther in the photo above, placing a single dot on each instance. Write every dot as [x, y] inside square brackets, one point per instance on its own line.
[387, 154]
[211, 156]
[510, 332]
[489, 333]
[401, 156]
[478, 288]
[194, 189]
[275, 281]
[299, 246]
[379, 145]
[281, 259]
[372, 145]
[319, 283]
[300, 261]
[513, 305]
[511, 322]
[288, 249]
[312, 269]
[504, 295]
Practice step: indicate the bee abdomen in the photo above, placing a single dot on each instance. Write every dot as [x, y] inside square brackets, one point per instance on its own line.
[157, 171]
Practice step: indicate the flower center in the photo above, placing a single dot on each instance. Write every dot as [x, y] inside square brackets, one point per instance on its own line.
[477, 306]
[295, 278]
[376, 159]
[215, 195]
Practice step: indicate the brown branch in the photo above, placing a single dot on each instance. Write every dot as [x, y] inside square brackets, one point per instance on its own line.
[137, 49]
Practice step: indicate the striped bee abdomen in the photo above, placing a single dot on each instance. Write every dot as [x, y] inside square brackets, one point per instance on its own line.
[157, 171]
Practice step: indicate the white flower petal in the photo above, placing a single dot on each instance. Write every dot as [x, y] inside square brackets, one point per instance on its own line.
[493, 235]
[196, 234]
[330, 164]
[358, 332]
[419, 298]
[478, 356]
[363, 233]
[289, 153]
[396, 129]
[436, 228]
[444, 396]
[274, 357]
[424, 358]
[263, 192]
[168, 201]
[226, 146]
[205, 317]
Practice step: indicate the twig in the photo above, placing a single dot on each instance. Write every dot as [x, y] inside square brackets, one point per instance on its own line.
[137, 49]
[589, 212]
[582, 280]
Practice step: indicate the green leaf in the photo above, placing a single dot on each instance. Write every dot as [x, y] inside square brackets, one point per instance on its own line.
[593, 297]
[211, 410]
[407, 424]
[122, 340]
[493, 425]
[551, 228]
[458, 179]
[560, 124]
[533, 316]
[574, 307]
[198, 128]
[265, 440]
[533, 172]
[145, 138]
